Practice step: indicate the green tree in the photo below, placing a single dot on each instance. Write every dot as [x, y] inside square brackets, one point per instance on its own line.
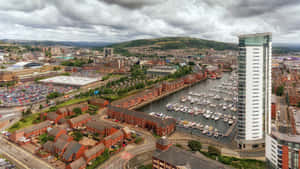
[77, 135]
[191, 63]
[214, 151]
[53, 95]
[77, 111]
[194, 145]
[280, 91]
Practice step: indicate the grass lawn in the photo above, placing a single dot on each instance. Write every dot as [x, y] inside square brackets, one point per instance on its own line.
[25, 122]
[237, 162]
[73, 101]
[149, 166]
[114, 97]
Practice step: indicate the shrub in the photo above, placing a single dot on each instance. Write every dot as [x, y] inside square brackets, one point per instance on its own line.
[77, 135]
[77, 111]
[279, 91]
[138, 140]
[214, 151]
[194, 145]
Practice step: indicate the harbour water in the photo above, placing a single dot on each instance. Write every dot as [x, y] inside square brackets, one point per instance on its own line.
[217, 93]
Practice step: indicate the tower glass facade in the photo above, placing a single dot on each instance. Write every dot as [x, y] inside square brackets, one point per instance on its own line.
[254, 85]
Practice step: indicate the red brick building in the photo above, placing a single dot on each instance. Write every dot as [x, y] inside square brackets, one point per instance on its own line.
[60, 146]
[99, 102]
[53, 116]
[79, 121]
[68, 110]
[73, 151]
[113, 139]
[158, 90]
[273, 107]
[31, 131]
[56, 132]
[77, 164]
[273, 111]
[103, 129]
[169, 86]
[161, 127]
[94, 152]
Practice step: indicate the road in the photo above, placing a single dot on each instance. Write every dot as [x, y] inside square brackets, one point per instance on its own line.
[11, 114]
[22, 157]
[121, 159]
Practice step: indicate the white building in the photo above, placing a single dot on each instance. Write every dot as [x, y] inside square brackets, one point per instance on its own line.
[254, 85]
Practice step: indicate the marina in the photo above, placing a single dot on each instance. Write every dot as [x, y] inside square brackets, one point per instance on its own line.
[207, 109]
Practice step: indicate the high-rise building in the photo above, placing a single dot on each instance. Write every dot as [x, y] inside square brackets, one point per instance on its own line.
[254, 89]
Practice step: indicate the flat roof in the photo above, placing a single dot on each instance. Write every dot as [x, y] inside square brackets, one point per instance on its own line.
[71, 80]
[255, 34]
[286, 137]
[185, 159]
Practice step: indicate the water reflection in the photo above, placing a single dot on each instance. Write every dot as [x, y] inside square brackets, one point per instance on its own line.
[210, 88]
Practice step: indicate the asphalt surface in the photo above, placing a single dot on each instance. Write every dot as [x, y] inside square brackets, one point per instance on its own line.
[21, 156]
[120, 160]
[12, 113]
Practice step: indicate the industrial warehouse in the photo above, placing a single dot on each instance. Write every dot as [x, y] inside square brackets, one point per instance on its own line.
[74, 81]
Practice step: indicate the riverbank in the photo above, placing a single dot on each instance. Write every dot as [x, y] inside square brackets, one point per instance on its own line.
[139, 106]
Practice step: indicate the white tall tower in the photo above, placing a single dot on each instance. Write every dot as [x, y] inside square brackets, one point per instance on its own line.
[254, 88]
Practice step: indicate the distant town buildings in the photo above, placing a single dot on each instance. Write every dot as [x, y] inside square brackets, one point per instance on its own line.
[283, 143]
[161, 70]
[108, 52]
[254, 89]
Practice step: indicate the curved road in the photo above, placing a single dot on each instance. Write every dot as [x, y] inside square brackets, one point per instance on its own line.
[120, 160]
[22, 157]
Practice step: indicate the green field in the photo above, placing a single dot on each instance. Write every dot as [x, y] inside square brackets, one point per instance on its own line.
[25, 122]
[73, 101]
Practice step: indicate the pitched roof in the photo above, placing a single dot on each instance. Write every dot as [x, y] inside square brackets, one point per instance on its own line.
[182, 158]
[114, 135]
[142, 115]
[77, 164]
[48, 146]
[62, 110]
[71, 149]
[98, 101]
[71, 107]
[80, 118]
[98, 125]
[64, 137]
[36, 127]
[52, 116]
[79, 105]
[54, 131]
[60, 144]
[94, 150]
[62, 120]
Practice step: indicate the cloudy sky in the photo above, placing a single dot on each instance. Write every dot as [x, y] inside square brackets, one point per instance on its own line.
[122, 20]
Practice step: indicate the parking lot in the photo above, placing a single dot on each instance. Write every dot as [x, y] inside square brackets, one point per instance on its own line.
[4, 164]
[26, 94]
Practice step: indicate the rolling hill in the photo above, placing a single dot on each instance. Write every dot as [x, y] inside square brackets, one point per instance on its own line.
[176, 43]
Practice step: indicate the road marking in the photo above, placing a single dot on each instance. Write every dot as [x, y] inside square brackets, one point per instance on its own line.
[26, 153]
[14, 159]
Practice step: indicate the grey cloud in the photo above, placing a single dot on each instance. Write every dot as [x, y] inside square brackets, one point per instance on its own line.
[132, 4]
[120, 20]
[24, 6]
[249, 8]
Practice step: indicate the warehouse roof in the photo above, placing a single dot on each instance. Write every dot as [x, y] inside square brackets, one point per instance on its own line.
[71, 80]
